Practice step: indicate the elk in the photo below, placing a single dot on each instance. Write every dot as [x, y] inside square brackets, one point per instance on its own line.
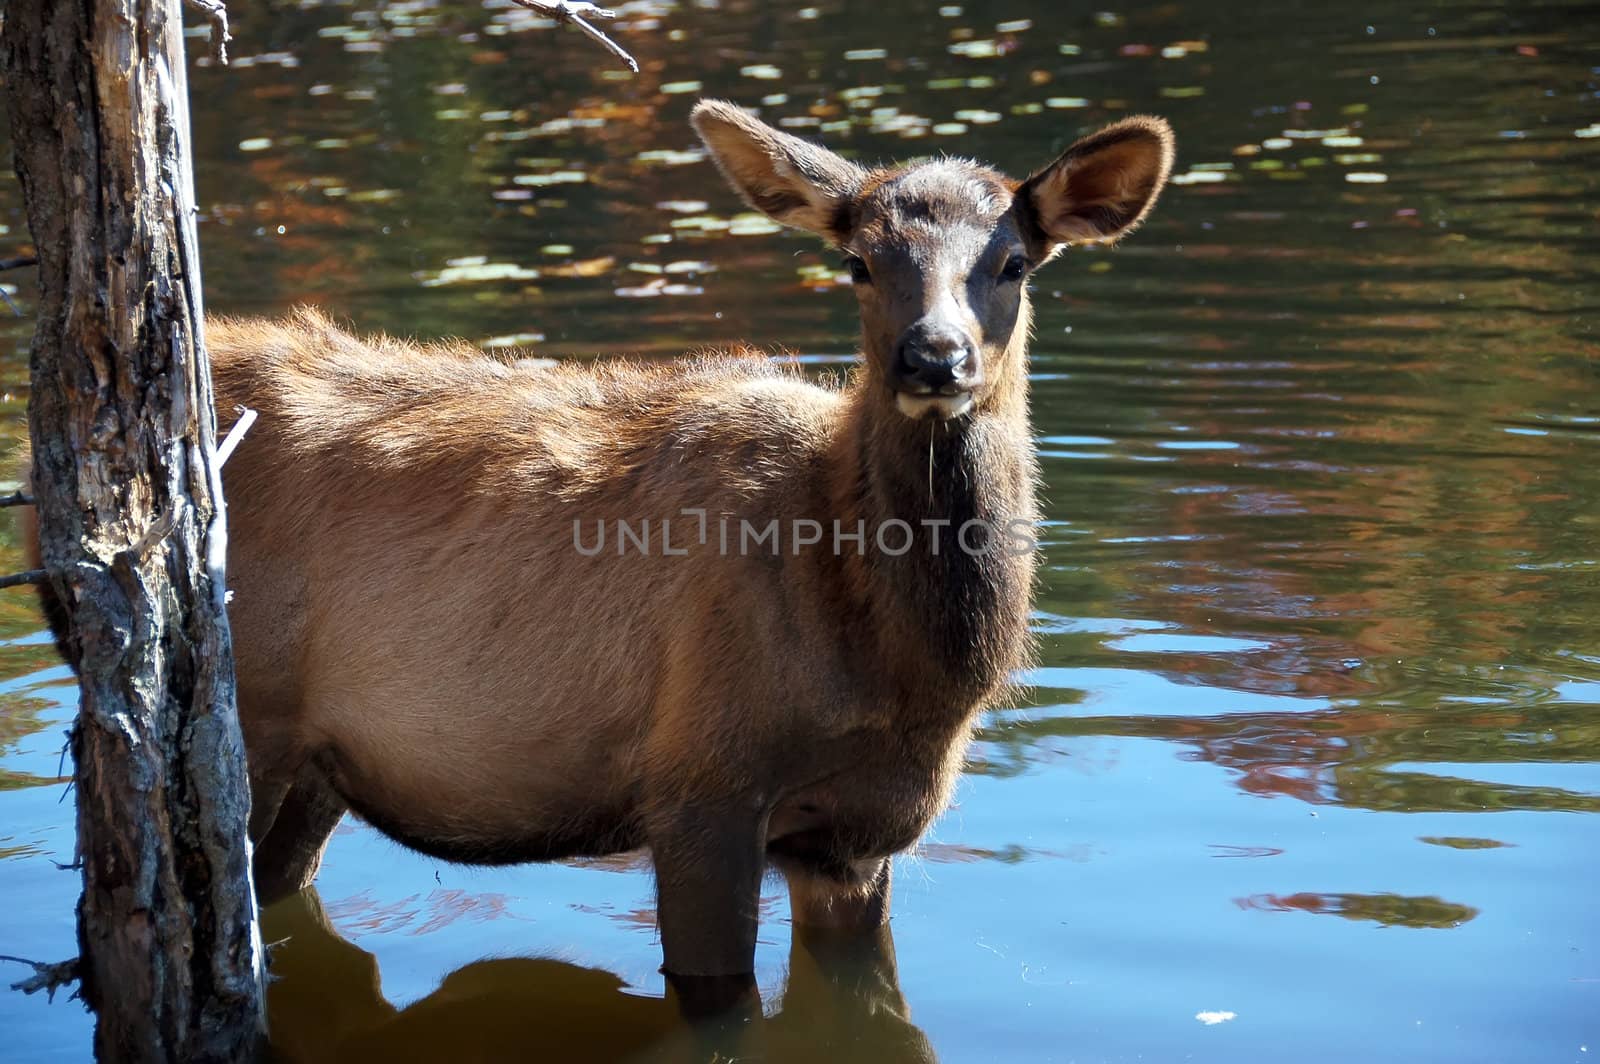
[423, 638]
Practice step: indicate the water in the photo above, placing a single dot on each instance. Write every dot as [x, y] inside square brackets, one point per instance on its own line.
[1313, 752]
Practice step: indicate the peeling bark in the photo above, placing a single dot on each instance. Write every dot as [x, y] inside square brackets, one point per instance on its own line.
[131, 526]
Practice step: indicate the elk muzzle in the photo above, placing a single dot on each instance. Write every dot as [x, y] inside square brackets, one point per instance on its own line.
[935, 370]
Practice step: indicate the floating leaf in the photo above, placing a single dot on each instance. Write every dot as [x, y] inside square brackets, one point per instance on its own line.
[476, 270]
[658, 287]
[752, 224]
[582, 268]
[981, 49]
[667, 157]
[517, 340]
[559, 177]
[703, 222]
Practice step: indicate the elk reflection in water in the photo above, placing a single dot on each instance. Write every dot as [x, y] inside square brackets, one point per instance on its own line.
[841, 1001]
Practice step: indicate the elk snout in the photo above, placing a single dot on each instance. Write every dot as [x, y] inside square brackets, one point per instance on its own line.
[936, 368]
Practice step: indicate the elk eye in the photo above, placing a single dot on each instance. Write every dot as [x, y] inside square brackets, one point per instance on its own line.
[1016, 266]
[859, 274]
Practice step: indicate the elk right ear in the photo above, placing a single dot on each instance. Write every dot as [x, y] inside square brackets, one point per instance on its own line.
[791, 180]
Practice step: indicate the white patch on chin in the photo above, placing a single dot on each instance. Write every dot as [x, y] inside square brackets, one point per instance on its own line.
[933, 407]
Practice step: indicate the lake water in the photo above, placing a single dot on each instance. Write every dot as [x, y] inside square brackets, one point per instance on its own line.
[1310, 769]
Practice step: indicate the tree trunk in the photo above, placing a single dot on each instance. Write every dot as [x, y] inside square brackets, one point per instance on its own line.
[131, 526]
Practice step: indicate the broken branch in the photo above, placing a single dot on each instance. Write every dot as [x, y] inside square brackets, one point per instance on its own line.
[46, 977]
[32, 576]
[216, 13]
[575, 12]
[247, 417]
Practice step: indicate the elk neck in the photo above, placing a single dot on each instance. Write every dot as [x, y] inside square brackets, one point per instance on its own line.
[950, 624]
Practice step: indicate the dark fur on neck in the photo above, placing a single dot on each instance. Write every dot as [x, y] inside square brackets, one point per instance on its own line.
[950, 628]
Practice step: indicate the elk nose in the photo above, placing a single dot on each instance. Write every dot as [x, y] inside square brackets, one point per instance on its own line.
[936, 362]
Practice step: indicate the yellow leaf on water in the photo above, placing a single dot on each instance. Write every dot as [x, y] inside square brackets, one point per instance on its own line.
[582, 268]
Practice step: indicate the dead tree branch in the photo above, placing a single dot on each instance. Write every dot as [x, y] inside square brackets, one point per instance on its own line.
[247, 417]
[46, 977]
[216, 13]
[16, 262]
[575, 13]
[31, 576]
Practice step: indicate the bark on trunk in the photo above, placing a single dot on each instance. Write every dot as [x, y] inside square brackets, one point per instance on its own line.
[131, 528]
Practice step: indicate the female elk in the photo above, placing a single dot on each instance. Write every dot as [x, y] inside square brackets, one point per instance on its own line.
[420, 641]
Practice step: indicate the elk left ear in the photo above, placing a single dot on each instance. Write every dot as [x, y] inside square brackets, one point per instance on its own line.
[1101, 188]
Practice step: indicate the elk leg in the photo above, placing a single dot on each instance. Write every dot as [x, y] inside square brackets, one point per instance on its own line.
[266, 798]
[288, 858]
[854, 897]
[856, 970]
[709, 864]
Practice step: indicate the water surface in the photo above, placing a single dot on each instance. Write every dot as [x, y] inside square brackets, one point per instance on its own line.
[1310, 766]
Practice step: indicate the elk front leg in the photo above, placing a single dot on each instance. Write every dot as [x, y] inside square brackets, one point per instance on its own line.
[288, 857]
[709, 863]
[852, 897]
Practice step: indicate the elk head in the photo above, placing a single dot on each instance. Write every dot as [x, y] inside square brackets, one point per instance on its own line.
[940, 250]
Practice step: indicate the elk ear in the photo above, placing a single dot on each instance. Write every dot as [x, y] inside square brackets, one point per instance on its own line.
[1101, 188]
[793, 181]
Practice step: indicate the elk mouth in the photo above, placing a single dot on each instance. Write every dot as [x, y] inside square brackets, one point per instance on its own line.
[927, 406]
[934, 372]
